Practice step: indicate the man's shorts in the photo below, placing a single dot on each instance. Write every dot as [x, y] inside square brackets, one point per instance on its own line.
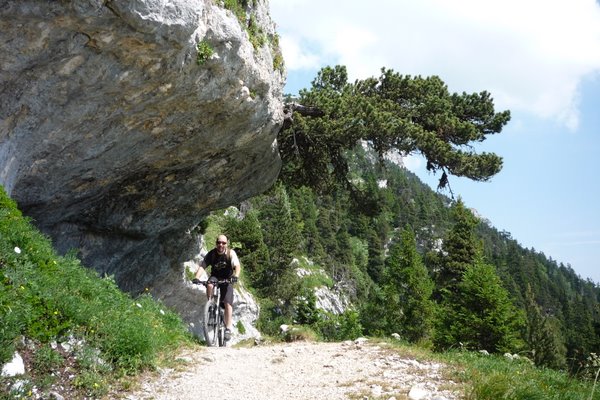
[226, 291]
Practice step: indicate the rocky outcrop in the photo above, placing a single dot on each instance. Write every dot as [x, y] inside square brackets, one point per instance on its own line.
[116, 137]
[334, 299]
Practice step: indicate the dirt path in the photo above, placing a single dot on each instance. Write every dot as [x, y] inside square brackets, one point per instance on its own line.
[300, 371]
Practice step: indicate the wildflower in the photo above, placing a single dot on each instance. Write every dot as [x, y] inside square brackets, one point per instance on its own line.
[17, 250]
[139, 305]
[162, 312]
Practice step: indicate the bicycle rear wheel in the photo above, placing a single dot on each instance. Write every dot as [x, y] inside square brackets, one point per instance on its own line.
[211, 323]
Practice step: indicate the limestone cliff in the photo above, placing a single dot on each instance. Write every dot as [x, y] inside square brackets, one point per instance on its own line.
[116, 139]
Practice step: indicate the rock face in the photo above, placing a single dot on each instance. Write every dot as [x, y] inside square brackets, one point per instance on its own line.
[116, 139]
[333, 300]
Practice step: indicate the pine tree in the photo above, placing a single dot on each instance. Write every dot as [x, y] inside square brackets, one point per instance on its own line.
[479, 315]
[303, 201]
[542, 336]
[282, 239]
[408, 290]
[253, 252]
[376, 256]
[306, 307]
[460, 248]
[393, 112]
[374, 311]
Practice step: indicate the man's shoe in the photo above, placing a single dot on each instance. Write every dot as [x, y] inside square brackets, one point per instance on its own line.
[227, 335]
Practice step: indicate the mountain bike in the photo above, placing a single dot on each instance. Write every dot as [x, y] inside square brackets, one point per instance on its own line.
[214, 315]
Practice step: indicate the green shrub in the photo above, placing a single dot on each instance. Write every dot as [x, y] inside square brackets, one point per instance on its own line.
[240, 327]
[46, 359]
[205, 51]
[92, 383]
[88, 358]
[247, 21]
[278, 62]
[345, 326]
[306, 307]
[255, 33]
[238, 7]
[270, 318]
[298, 333]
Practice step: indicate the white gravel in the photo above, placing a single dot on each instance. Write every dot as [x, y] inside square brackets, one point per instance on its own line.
[299, 371]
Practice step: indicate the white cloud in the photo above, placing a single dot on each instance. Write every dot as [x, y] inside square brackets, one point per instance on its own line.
[413, 162]
[296, 57]
[530, 54]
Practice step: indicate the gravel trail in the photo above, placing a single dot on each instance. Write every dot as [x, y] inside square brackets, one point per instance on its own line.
[300, 371]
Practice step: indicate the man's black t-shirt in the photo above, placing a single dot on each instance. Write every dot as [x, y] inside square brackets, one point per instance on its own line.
[220, 264]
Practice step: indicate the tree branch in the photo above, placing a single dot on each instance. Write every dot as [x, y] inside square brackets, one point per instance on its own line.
[307, 111]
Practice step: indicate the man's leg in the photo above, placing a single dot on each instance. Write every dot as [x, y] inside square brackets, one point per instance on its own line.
[212, 284]
[228, 316]
[209, 291]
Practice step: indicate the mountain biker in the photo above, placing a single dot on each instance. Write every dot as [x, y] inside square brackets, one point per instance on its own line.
[224, 264]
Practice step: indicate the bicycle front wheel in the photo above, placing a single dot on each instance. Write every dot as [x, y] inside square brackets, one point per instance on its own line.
[221, 329]
[211, 323]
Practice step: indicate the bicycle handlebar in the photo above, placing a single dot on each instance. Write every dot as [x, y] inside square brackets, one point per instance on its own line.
[205, 283]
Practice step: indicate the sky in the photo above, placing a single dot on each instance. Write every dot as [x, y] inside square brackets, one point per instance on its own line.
[538, 59]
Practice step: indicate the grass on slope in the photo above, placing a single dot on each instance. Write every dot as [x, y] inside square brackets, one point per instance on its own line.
[46, 300]
[491, 377]
[494, 377]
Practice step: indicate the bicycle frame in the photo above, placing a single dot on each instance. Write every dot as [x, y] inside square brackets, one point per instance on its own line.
[214, 321]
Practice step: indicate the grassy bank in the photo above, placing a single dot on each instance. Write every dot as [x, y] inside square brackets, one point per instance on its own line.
[66, 320]
[494, 377]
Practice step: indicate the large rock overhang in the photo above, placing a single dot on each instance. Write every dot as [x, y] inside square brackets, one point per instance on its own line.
[116, 141]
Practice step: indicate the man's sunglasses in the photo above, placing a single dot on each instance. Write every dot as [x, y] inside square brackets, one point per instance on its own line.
[218, 242]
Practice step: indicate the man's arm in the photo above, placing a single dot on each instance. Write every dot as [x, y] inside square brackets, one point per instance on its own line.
[201, 268]
[235, 263]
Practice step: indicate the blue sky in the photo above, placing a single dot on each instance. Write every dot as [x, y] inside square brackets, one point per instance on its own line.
[539, 59]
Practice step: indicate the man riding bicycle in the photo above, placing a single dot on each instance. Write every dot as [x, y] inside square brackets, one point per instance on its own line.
[224, 264]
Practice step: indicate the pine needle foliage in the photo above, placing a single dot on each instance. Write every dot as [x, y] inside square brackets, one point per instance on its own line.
[392, 112]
